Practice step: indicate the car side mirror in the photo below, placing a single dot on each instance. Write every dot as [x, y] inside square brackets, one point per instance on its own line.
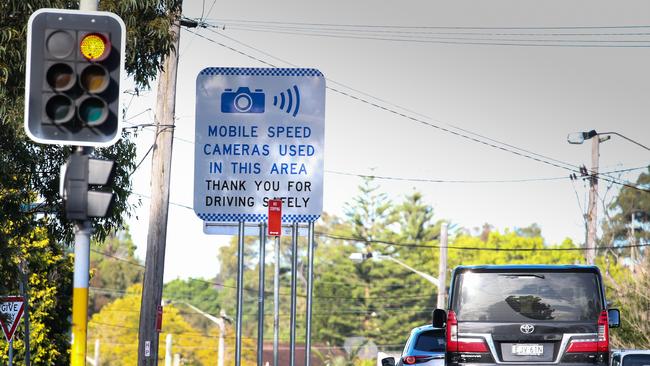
[388, 361]
[439, 318]
[614, 318]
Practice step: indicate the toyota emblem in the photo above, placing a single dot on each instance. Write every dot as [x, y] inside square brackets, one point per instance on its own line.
[527, 328]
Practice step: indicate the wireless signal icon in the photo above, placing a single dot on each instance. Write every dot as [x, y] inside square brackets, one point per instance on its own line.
[289, 101]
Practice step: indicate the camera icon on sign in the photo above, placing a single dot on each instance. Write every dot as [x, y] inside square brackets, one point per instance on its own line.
[242, 101]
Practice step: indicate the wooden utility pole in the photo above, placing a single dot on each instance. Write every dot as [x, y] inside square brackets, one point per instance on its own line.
[442, 267]
[590, 250]
[158, 209]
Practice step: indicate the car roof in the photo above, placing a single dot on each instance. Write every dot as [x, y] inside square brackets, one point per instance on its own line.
[529, 266]
[423, 328]
[627, 352]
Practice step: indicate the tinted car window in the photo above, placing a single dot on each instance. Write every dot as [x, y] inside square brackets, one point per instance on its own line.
[431, 341]
[636, 360]
[527, 296]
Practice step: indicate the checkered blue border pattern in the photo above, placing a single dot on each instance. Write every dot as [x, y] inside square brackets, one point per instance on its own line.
[254, 218]
[256, 71]
[232, 217]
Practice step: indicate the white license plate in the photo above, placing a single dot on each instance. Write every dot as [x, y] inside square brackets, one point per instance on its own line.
[527, 349]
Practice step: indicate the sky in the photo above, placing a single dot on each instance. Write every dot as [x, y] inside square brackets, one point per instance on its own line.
[399, 78]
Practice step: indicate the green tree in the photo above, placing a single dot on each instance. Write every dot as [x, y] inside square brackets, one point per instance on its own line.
[198, 292]
[116, 327]
[49, 286]
[628, 219]
[113, 268]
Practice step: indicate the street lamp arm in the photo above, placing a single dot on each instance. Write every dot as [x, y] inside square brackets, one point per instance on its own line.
[426, 276]
[212, 318]
[628, 139]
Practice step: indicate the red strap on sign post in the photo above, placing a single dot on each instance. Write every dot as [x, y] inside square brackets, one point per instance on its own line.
[159, 318]
[275, 217]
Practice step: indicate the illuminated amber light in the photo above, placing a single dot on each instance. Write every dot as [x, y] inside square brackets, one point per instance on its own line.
[94, 47]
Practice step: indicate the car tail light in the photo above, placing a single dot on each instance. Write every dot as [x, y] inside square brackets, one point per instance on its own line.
[456, 344]
[599, 344]
[472, 345]
[603, 332]
[409, 360]
[583, 345]
[412, 360]
[452, 332]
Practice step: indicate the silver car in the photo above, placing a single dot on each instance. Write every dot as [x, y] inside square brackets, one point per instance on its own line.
[631, 357]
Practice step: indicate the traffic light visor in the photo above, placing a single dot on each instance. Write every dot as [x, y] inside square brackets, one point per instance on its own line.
[95, 47]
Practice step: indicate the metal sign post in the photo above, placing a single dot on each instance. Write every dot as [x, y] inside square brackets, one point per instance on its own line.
[294, 274]
[11, 352]
[260, 305]
[240, 293]
[276, 301]
[310, 287]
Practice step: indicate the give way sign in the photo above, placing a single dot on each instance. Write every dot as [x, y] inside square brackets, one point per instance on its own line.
[11, 308]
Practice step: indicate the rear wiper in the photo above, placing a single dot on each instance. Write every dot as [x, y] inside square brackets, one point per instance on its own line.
[523, 275]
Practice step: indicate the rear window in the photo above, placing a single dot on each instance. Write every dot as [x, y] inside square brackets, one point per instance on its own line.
[430, 341]
[636, 360]
[526, 296]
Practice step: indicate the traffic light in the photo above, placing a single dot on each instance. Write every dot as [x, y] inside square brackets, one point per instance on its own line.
[72, 90]
[82, 177]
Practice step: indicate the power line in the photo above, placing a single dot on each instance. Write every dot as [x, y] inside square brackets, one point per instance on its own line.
[417, 31]
[431, 180]
[494, 249]
[467, 39]
[522, 153]
[393, 26]
[471, 41]
[428, 180]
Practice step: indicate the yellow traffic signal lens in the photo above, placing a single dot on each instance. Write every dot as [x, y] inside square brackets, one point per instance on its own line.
[94, 78]
[94, 47]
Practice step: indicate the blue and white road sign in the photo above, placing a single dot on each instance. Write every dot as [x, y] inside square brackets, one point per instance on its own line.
[259, 135]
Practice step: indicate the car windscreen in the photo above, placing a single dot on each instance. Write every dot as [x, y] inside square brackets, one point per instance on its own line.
[526, 296]
[636, 360]
[430, 341]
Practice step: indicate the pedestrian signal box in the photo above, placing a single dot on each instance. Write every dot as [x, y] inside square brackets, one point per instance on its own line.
[75, 60]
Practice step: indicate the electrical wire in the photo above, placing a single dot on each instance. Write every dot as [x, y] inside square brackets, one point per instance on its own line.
[394, 26]
[489, 38]
[455, 247]
[521, 153]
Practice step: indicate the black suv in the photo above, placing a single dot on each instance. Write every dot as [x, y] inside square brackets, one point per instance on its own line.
[527, 315]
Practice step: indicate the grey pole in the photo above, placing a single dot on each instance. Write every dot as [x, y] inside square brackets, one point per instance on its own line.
[294, 274]
[222, 343]
[96, 352]
[11, 352]
[260, 304]
[442, 267]
[310, 287]
[590, 250]
[240, 292]
[168, 350]
[276, 302]
[24, 289]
